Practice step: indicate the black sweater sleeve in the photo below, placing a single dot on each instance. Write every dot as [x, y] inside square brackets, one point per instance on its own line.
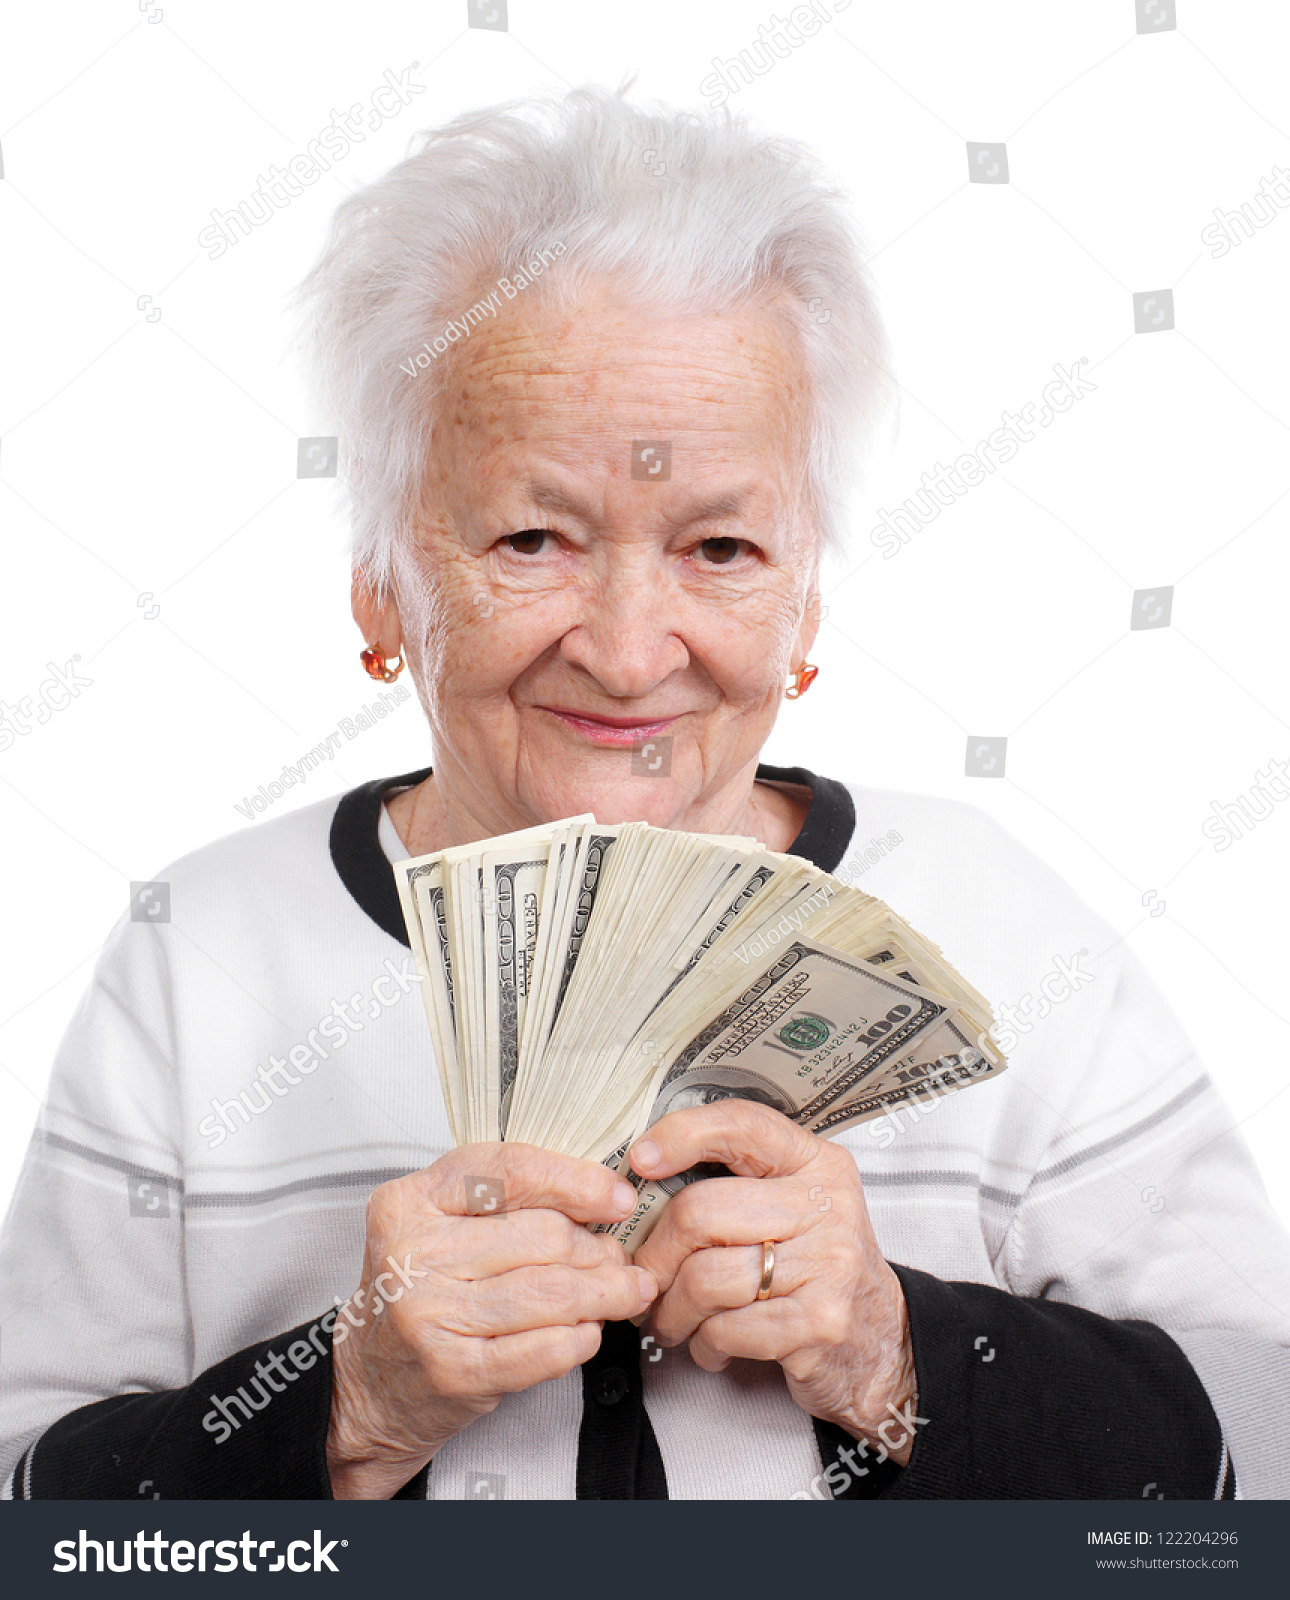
[252, 1427]
[1018, 1399]
[1029, 1399]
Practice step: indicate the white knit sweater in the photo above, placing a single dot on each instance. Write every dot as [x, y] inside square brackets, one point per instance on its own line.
[1101, 1170]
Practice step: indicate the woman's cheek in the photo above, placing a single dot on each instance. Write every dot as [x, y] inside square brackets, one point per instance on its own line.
[492, 636]
[748, 654]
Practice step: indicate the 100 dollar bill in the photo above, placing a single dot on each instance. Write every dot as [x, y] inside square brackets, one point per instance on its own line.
[825, 1039]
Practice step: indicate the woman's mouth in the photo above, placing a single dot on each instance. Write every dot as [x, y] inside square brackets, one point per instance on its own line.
[623, 732]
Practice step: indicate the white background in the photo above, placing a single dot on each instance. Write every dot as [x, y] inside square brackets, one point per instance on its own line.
[152, 463]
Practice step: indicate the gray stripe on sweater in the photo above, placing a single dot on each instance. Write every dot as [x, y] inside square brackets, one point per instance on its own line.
[943, 1179]
[1170, 1108]
[99, 1158]
[371, 1177]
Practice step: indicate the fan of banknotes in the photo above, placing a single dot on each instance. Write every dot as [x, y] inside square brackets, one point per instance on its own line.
[582, 980]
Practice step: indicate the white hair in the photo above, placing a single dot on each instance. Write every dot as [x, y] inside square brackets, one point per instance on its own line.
[686, 212]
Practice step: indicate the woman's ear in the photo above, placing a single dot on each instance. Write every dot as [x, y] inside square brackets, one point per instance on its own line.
[377, 618]
[809, 627]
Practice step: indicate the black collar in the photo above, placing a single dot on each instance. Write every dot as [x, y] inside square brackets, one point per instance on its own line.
[364, 867]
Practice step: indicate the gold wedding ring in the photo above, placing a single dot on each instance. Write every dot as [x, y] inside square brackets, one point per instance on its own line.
[767, 1269]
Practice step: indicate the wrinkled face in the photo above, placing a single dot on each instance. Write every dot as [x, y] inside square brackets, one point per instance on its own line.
[589, 637]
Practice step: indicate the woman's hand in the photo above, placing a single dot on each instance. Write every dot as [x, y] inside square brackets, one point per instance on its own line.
[462, 1302]
[835, 1320]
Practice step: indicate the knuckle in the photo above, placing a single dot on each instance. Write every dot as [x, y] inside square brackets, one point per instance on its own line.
[522, 1162]
[832, 1252]
[546, 1233]
[750, 1119]
[694, 1280]
[624, 1287]
[551, 1293]
[443, 1174]
[686, 1212]
[570, 1347]
[832, 1326]
[452, 1369]
[383, 1206]
[739, 1275]
[475, 1369]
[841, 1181]
[834, 1154]
[610, 1249]
[404, 1323]
[429, 1331]
[569, 1241]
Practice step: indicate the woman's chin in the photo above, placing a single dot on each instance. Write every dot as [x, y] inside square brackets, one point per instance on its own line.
[610, 795]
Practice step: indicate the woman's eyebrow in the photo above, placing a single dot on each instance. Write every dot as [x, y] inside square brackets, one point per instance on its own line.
[551, 497]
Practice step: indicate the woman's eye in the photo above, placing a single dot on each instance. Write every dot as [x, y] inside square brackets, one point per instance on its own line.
[528, 543]
[720, 552]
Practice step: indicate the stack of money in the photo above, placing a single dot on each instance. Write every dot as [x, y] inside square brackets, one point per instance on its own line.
[583, 980]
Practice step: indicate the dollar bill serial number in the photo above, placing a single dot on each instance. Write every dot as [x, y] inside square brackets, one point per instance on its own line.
[1162, 1536]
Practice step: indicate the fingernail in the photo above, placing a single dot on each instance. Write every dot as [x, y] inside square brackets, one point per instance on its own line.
[649, 1287]
[624, 1197]
[646, 1155]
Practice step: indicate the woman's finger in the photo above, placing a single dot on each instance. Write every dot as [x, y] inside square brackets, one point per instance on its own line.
[492, 1179]
[725, 1211]
[545, 1297]
[470, 1248]
[712, 1281]
[767, 1330]
[750, 1139]
[516, 1361]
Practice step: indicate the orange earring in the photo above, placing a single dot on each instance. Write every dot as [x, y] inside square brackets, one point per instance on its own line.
[803, 678]
[377, 666]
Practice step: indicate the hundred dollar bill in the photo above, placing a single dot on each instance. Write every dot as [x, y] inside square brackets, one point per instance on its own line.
[422, 898]
[512, 891]
[812, 1036]
[583, 980]
[559, 946]
[424, 889]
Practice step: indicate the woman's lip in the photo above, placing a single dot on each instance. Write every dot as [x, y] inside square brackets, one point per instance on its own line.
[610, 730]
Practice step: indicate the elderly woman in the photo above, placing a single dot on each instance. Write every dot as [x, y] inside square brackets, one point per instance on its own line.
[597, 375]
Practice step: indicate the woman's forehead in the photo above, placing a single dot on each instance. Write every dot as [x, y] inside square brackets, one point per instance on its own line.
[589, 381]
[605, 347]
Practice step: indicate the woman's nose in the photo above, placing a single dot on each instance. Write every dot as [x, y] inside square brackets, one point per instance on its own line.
[625, 635]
